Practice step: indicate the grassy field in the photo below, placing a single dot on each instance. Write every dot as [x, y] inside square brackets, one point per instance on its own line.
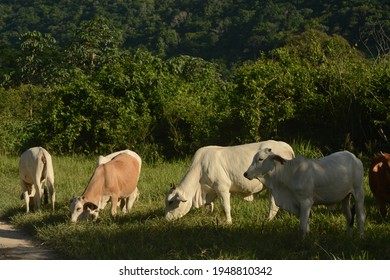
[145, 234]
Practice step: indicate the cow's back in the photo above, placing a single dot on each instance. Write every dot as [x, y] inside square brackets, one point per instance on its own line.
[342, 170]
[121, 174]
[227, 164]
[31, 164]
[224, 165]
[107, 158]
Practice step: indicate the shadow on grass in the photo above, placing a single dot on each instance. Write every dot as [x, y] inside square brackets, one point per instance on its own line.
[136, 238]
[147, 235]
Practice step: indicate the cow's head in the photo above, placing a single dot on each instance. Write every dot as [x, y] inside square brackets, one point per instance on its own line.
[381, 163]
[176, 204]
[263, 162]
[83, 210]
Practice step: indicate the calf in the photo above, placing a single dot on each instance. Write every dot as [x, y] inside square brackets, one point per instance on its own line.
[301, 183]
[36, 177]
[379, 180]
[114, 180]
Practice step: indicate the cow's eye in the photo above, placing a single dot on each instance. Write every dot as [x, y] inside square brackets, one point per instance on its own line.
[78, 209]
[260, 159]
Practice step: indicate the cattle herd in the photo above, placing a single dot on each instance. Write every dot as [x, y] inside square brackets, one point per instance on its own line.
[295, 184]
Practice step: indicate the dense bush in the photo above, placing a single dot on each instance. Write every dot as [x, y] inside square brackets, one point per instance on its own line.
[317, 87]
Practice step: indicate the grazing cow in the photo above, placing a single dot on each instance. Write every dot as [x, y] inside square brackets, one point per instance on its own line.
[122, 202]
[116, 180]
[379, 180]
[216, 172]
[300, 183]
[36, 177]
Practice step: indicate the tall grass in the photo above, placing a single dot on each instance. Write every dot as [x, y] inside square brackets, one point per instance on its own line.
[145, 234]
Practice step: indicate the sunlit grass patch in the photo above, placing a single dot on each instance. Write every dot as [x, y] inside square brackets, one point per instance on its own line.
[144, 233]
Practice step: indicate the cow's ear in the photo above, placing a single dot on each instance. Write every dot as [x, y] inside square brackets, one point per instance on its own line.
[72, 199]
[181, 197]
[279, 159]
[90, 206]
[377, 166]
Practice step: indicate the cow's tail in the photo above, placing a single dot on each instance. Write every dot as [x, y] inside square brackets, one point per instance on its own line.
[44, 175]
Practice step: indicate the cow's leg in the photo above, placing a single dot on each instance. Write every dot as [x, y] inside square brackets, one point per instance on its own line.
[210, 197]
[37, 175]
[53, 200]
[359, 209]
[304, 214]
[103, 201]
[273, 208]
[52, 193]
[37, 196]
[360, 215]
[26, 201]
[225, 200]
[131, 199]
[26, 188]
[348, 214]
[114, 204]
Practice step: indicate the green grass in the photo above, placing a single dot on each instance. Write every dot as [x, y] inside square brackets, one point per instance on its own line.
[145, 234]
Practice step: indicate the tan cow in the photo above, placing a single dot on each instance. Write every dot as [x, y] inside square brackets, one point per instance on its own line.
[36, 174]
[116, 180]
[104, 159]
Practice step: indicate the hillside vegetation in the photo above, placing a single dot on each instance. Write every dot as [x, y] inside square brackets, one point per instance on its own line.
[166, 77]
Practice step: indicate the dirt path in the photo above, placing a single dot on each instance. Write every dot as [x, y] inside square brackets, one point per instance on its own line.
[17, 245]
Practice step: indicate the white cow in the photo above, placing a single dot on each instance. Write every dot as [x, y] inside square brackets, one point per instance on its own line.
[36, 169]
[218, 171]
[300, 183]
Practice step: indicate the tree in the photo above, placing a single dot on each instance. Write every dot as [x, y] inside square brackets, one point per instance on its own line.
[263, 99]
[35, 59]
[35, 64]
[95, 44]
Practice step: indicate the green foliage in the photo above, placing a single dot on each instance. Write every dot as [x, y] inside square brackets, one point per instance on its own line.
[17, 121]
[316, 87]
[333, 78]
[263, 99]
[35, 60]
[223, 30]
[94, 45]
[93, 97]
[195, 104]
